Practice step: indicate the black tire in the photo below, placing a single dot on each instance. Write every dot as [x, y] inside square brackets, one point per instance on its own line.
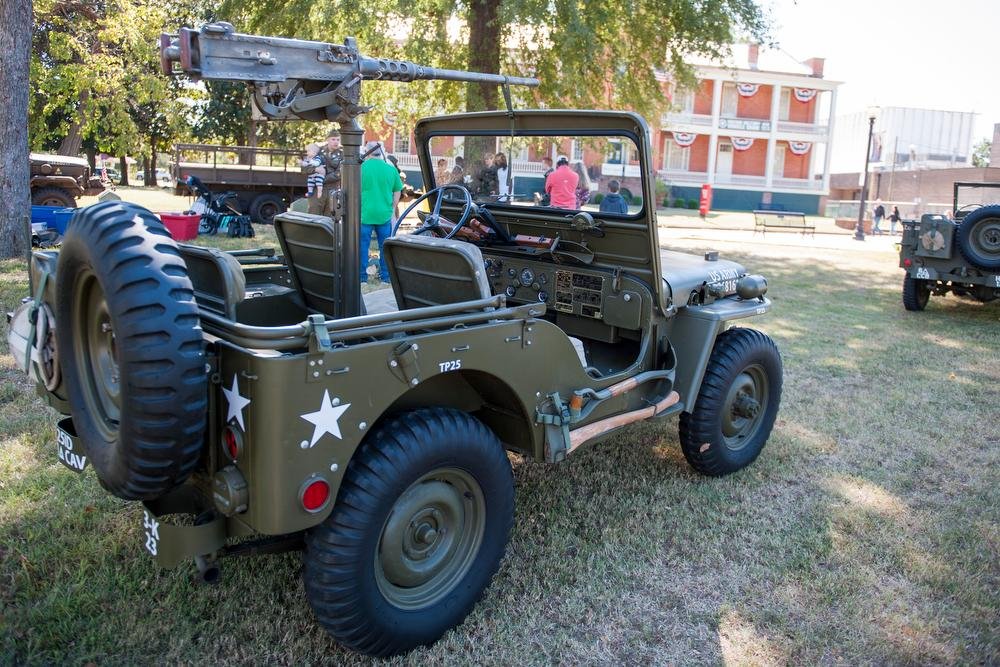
[725, 432]
[131, 348]
[265, 206]
[916, 293]
[52, 196]
[346, 580]
[979, 238]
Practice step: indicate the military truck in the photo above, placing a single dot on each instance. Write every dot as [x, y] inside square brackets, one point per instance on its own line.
[255, 403]
[958, 254]
[57, 180]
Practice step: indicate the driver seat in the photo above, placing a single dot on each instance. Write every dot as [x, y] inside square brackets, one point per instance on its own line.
[428, 271]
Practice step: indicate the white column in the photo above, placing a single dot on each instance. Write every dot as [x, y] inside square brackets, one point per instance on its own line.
[829, 141]
[713, 137]
[772, 139]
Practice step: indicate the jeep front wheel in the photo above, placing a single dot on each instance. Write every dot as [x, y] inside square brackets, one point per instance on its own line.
[736, 405]
[52, 196]
[916, 293]
[421, 522]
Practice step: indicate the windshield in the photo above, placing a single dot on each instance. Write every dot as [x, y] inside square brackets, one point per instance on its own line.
[589, 173]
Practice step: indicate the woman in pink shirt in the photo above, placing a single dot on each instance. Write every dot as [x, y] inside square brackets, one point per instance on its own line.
[561, 185]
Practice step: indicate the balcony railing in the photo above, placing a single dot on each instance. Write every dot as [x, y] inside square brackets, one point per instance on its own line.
[736, 124]
[722, 180]
[801, 128]
[686, 119]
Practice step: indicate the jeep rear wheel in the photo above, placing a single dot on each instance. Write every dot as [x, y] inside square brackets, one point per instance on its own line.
[736, 405]
[420, 524]
[131, 349]
[916, 293]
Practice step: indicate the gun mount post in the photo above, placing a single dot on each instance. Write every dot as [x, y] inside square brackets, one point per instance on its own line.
[307, 80]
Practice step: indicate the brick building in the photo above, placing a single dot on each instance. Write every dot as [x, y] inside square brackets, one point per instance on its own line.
[756, 131]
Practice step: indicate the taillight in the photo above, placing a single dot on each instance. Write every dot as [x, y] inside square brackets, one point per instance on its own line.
[315, 494]
[907, 262]
[232, 443]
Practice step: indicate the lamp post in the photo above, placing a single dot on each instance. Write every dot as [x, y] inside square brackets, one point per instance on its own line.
[859, 232]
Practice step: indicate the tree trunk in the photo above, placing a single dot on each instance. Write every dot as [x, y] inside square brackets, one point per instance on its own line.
[15, 196]
[123, 168]
[72, 143]
[485, 37]
[150, 175]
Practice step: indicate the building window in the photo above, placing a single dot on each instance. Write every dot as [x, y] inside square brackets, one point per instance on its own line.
[784, 103]
[401, 141]
[685, 102]
[730, 100]
[577, 150]
[675, 158]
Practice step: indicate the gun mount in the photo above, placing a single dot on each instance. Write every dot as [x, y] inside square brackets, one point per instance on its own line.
[308, 80]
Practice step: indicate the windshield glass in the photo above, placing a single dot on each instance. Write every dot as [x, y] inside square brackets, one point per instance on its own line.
[590, 173]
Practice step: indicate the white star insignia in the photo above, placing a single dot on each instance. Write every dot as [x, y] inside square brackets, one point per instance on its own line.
[236, 403]
[326, 419]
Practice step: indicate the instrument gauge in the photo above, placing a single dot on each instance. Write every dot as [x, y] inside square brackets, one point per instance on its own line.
[543, 296]
[527, 276]
[543, 279]
[510, 291]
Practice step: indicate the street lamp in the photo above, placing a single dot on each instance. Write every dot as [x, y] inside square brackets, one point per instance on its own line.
[859, 232]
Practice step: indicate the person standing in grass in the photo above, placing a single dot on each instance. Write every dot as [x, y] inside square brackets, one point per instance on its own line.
[380, 192]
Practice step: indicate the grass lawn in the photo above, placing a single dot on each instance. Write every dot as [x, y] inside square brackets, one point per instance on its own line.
[868, 532]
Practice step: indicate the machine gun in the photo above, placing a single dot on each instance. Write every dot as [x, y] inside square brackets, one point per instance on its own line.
[308, 80]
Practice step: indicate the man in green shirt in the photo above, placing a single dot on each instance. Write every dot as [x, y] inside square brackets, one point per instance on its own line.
[380, 190]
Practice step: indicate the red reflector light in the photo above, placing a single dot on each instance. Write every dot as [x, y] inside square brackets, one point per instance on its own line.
[907, 262]
[315, 495]
[232, 443]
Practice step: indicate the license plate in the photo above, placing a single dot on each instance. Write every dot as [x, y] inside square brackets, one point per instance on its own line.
[69, 448]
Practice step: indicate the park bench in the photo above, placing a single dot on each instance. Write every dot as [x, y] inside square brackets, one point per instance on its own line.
[764, 220]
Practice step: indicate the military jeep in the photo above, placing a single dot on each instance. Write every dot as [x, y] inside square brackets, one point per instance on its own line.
[57, 180]
[255, 403]
[958, 254]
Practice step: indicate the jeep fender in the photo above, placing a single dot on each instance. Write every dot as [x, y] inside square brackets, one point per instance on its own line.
[693, 332]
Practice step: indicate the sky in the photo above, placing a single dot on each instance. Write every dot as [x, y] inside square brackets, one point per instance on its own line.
[907, 53]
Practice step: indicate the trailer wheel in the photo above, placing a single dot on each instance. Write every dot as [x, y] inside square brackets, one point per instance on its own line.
[979, 238]
[52, 196]
[264, 207]
[736, 406]
[131, 350]
[420, 524]
[916, 293]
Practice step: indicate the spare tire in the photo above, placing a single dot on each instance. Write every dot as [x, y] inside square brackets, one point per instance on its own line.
[131, 349]
[979, 238]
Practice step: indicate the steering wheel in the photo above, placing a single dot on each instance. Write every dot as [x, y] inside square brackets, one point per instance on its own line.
[433, 219]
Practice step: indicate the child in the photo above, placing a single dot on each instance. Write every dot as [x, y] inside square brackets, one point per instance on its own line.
[314, 181]
[613, 202]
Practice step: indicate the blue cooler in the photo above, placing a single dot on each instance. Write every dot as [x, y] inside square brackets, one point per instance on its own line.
[54, 217]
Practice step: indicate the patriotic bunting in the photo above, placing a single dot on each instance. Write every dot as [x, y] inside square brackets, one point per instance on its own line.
[804, 94]
[741, 143]
[684, 139]
[747, 89]
[799, 147]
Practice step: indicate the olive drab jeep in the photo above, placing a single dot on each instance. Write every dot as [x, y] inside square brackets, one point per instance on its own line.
[258, 395]
[958, 254]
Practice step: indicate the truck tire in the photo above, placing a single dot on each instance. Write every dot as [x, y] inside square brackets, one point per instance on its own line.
[131, 348]
[736, 406]
[264, 207]
[916, 293]
[979, 238]
[420, 524]
[52, 196]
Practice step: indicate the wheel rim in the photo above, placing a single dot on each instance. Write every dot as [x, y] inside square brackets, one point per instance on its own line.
[985, 238]
[267, 211]
[430, 539]
[97, 356]
[745, 405]
[52, 201]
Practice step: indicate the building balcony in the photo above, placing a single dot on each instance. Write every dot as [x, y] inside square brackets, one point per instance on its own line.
[672, 119]
[739, 181]
[813, 129]
[730, 125]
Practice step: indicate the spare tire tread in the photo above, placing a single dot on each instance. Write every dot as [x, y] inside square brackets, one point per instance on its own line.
[160, 349]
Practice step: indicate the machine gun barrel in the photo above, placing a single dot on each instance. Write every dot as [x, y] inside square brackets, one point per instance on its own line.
[218, 52]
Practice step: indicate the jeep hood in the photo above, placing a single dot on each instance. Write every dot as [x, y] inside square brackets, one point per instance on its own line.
[683, 273]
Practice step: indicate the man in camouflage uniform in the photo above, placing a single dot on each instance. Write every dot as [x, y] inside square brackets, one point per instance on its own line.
[332, 156]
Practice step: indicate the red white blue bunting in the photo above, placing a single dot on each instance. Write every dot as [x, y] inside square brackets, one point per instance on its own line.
[684, 139]
[747, 89]
[804, 94]
[741, 143]
[799, 147]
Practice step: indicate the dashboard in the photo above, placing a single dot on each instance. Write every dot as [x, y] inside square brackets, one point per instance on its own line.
[571, 291]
